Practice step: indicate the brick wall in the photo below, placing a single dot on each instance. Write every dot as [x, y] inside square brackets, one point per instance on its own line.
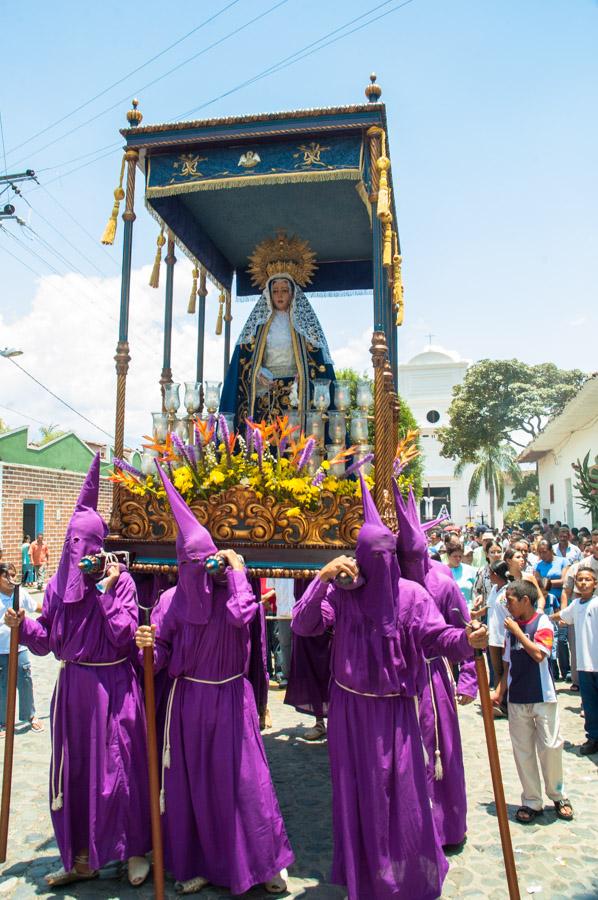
[59, 491]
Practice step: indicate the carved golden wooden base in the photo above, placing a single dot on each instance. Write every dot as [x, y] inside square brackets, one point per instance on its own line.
[239, 515]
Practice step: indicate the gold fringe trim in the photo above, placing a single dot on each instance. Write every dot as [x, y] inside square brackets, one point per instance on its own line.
[193, 295]
[387, 241]
[221, 300]
[154, 281]
[180, 244]
[119, 195]
[243, 181]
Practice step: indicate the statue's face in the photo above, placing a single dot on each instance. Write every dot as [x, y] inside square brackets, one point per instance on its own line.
[281, 294]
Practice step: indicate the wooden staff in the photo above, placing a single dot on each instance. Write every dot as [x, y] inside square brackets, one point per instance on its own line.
[153, 767]
[497, 784]
[9, 738]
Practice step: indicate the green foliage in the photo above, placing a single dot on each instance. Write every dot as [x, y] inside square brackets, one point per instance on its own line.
[414, 471]
[494, 464]
[528, 510]
[49, 433]
[586, 485]
[4, 427]
[499, 397]
[527, 485]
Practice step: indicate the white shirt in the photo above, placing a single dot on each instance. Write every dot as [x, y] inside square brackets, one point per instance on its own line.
[285, 594]
[585, 618]
[573, 553]
[26, 602]
[588, 561]
[497, 613]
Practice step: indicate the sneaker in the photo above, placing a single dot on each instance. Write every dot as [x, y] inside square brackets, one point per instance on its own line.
[589, 748]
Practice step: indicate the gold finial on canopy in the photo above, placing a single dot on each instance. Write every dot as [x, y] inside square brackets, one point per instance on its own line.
[134, 116]
[282, 254]
[373, 91]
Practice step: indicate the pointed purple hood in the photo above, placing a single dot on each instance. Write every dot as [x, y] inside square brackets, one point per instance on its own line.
[194, 544]
[377, 560]
[412, 547]
[84, 537]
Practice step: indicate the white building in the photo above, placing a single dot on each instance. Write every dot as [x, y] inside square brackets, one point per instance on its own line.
[426, 384]
[564, 440]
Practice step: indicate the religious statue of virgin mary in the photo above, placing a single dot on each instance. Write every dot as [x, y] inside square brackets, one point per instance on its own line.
[282, 347]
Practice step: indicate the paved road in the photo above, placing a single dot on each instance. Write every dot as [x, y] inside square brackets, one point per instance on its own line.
[559, 860]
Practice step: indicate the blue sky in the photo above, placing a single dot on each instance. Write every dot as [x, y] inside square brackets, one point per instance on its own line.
[493, 133]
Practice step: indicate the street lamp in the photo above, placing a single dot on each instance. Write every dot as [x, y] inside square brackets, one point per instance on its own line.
[9, 352]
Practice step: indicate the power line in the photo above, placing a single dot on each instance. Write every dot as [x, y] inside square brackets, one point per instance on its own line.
[60, 400]
[303, 53]
[154, 81]
[92, 238]
[17, 412]
[77, 158]
[124, 77]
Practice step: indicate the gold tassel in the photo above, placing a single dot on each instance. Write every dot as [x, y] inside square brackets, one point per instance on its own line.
[221, 300]
[387, 247]
[228, 317]
[155, 276]
[193, 294]
[383, 166]
[119, 194]
[203, 290]
[397, 281]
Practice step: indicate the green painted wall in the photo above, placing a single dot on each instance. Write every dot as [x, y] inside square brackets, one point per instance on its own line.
[67, 452]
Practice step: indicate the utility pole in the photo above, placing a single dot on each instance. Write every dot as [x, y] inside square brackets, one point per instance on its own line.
[8, 211]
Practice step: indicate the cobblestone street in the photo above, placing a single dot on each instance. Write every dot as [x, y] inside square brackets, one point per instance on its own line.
[554, 859]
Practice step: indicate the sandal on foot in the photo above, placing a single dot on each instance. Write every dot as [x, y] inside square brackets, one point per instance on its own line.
[137, 870]
[526, 815]
[62, 877]
[278, 884]
[560, 807]
[36, 725]
[316, 732]
[192, 886]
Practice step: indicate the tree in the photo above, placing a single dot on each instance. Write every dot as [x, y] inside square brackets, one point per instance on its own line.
[528, 510]
[527, 485]
[493, 465]
[4, 427]
[49, 433]
[407, 422]
[500, 397]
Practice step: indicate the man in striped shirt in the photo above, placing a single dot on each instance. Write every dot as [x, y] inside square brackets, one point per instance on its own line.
[533, 712]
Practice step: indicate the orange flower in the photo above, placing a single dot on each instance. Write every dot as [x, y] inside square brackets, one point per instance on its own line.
[165, 450]
[206, 431]
[342, 455]
[266, 431]
[407, 449]
[284, 429]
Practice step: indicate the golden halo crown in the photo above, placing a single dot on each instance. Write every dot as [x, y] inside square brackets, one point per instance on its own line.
[282, 254]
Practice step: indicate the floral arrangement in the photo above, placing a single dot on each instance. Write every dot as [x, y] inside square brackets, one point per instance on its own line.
[270, 459]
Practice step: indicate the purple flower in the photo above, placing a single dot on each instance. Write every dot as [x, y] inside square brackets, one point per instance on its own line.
[318, 477]
[178, 444]
[259, 446]
[354, 467]
[126, 467]
[191, 456]
[248, 440]
[282, 446]
[397, 467]
[223, 430]
[306, 453]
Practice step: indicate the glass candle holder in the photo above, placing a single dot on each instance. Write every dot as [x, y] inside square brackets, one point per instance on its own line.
[294, 418]
[337, 468]
[314, 424]
[181, 428]
[159, 426]
[321, 399]
[212, 395]
[337, 427]
[171, 397]
[147, 462]
[342, 395]
[315, 462]
[229, 418]
[192, 396]
[363, 450]
[364, 394]
[359, 429]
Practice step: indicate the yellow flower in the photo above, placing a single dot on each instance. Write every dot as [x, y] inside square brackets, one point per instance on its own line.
[293, 511]
[216, 476]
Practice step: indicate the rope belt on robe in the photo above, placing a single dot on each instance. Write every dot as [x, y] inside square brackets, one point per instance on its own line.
[166, 750]
[438, 770]
[57, 797]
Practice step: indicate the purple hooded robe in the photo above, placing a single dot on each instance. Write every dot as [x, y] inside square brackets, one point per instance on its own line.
[98, 778]
[385, 842]
[221, 818]
[438, 717]
[309, 677]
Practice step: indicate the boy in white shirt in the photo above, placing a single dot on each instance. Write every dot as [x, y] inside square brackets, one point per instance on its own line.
[583, 614]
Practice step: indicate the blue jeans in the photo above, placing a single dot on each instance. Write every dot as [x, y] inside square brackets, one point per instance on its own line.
[588, 688]
[24, 687]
